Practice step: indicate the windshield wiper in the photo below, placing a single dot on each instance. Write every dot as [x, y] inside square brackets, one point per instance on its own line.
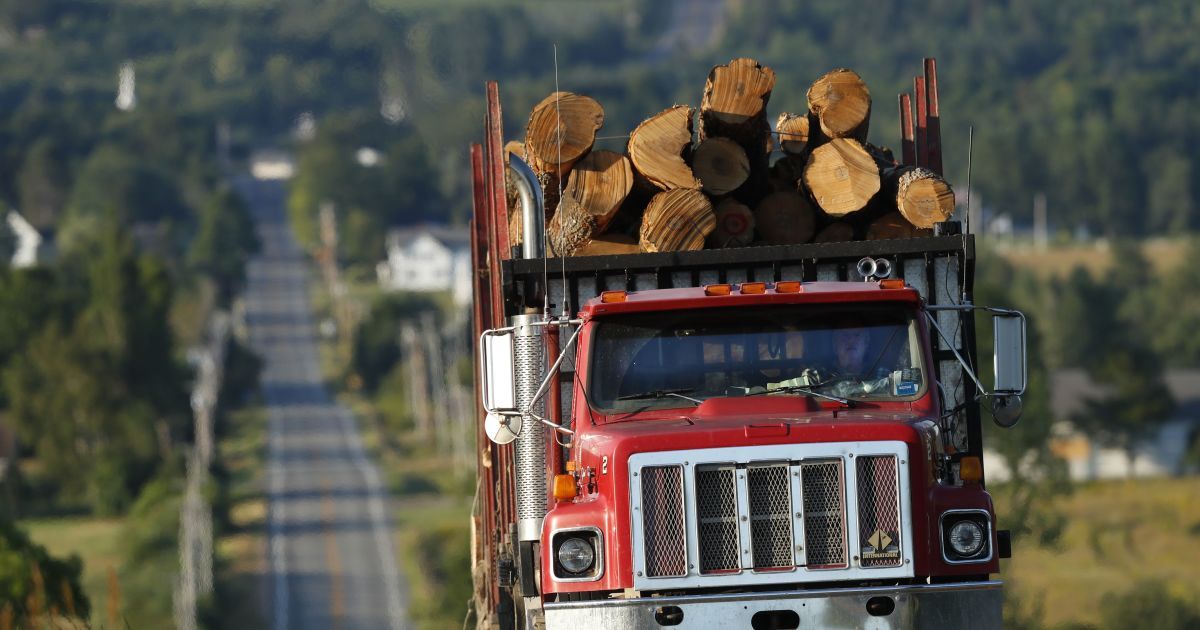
[801, 389]
[661, 393]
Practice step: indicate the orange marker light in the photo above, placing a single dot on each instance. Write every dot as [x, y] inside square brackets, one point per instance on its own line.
[891, 283]
[564, 487]
[608, 297]
[753, 288]
[788, 286]
[970, 469]
[717, 289]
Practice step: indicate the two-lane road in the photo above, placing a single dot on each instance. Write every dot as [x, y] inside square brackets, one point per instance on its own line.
[331, 560]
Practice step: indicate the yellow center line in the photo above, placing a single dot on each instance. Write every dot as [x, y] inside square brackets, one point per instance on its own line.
[333, 561]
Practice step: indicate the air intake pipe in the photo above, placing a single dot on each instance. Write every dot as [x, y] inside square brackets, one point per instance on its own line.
[529, 354]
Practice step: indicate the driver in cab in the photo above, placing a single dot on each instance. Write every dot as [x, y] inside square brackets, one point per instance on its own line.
[850, 373]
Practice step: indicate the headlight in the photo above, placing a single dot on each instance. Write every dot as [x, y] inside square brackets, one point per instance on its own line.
[576, 555]
[966, 538]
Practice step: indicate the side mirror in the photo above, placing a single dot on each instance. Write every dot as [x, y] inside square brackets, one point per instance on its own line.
[499, 380]
[1009, 367]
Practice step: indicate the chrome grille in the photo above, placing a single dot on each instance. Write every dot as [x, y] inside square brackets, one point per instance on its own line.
[770, 516]
[716, 510]
[663, 521]
[824, 513]
[879, 511]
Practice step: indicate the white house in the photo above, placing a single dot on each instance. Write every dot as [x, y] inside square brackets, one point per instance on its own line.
[428, 258]
[1161, 453]
[30, 247]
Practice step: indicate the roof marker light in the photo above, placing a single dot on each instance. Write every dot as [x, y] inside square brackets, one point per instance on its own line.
[753, 288]
[608, 297]
[891, 283]
[717, 289]
[789, 286]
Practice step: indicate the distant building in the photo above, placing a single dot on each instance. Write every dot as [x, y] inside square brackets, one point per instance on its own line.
[30, 247]
[1162, 453]
[428, 258]
[272, 164]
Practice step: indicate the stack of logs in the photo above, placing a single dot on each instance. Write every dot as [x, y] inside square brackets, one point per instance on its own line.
[674, 190]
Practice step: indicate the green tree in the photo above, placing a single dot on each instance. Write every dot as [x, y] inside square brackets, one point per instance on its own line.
[32, 582]
[1148, 604]
[42, 184]
[376, 346]
[1175, 312]
[225, 243]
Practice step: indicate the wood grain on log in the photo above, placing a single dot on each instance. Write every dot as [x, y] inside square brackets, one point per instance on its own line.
[659, 145]
[793, 133]
[596, 187]
[721, 165]
[608, 244]
[842, 104]
[842, 176]
[561, 129]
[677, 220]
[735, 225]
[922, 196]
[785, 218]
[735, 106]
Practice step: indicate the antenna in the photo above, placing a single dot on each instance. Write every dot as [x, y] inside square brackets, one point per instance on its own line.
[970, 155]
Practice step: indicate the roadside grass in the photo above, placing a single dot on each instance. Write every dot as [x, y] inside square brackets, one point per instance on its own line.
[241, 546]
[1058, 259]
[97, 542]
[1119, 533]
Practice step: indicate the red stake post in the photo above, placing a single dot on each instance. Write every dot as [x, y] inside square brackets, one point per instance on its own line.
[933, 122]
[907, 150]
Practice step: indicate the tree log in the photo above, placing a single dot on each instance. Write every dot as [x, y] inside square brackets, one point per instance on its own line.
[835, 232]
[659, 145]
[894, 225]
[793, 133]
[608, 244]
[561, 129]
[720, 165]
[735, 225]
[735, 106]
[677, 220]
[841, 103]
[595, 189]
[922, 196]
[842, 176]
[785, 218]
[786, 173]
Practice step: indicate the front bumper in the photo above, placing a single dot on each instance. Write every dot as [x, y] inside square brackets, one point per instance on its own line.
[974, 605]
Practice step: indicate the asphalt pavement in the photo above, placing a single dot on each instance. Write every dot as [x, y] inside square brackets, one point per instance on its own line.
[331, 558]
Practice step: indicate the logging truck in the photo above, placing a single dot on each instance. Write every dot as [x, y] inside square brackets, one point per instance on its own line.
[771, 436]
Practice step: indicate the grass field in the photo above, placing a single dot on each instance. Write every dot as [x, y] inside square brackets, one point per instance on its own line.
[96, 541]
[1119, 533]
[1057, 260]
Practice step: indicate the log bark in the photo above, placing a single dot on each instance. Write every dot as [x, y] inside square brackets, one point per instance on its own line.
[785, 218]
[835, 232]
[841, 104]
[793, 133]
[922, 196]
[735, 225]
[735, 106]
[721, 165]
[561, 129]
[894, 225]
[596, 187]
[677, 220]
[842, 176]
[609, 244]
[659, 146]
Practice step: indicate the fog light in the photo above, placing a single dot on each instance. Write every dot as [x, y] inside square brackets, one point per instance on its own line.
[966, 538]
[576, 555]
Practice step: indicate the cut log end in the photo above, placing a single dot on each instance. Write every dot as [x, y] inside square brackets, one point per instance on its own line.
[735, 225]
[561, 129]
[785, 218]
[842, 103]
[677, 220]
[599, 183]
[924, 198]
[842, 176]
[610, 244]
[720, 165]
[735, 93]
[658, 146]
[793, 133]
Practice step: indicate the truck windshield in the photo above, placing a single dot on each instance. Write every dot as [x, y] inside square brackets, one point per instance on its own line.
[858, 352]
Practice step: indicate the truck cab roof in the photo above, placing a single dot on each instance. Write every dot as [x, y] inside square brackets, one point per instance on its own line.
[747, 295]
